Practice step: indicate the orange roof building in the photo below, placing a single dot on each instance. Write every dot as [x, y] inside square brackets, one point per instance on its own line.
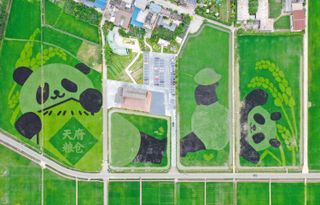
[298, 20]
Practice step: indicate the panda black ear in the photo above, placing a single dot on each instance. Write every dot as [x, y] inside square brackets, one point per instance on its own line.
[83, 68]
[275, 116]
[21, 74]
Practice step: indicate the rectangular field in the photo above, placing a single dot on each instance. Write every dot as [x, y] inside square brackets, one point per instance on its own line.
[189, 193]
[20, 179]
[287, 193]
[270, 67]
[58, 190]
[314, 85]
[252, 192]
[158, 193]
[90, 193]
[219, 193]
[203, 99]
[124, 193]
[147, 136]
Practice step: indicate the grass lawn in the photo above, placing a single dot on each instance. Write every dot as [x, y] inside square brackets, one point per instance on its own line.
[287, 193]
[117, 64]
[275, 7]
[135, 124]
[279, 76]
[313, 191]
[70, 24]
[282, 23]
[24, 19]
[314, 84]
[157, 193]
[124, 193]
[219, 193]
[20, 179]
[206, 49]
[61, 40]
[90, 193]
[58, 190]
[253, 192]
[190, 193]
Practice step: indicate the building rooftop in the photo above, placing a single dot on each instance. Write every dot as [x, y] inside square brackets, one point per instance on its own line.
[122, 18]
[141, 4]
[298, 20]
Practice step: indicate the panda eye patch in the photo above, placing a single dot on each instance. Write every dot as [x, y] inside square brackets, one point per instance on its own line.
[69, 85]
[259, 118]
[42, 94]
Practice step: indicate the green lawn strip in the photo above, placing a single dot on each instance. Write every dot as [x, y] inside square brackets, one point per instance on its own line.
[206, 49]
[90, 193]
[157, 193]
[221, 193]
[252, 192]
[124, 193]
[24, 19]
[275, 7]
[314, 84]
[190, 193]
[117, 64]
[313, 192]
[285, 52]
[282, 23]
[287, 193]
[20, 179]
[58, 190]
[61, 40]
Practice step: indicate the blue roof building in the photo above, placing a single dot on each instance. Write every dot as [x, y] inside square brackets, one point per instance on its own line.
[134, 21]
[100, 4]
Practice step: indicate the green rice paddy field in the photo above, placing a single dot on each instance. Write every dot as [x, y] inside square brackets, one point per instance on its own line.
[21, 183]
[22, 46]
[136, 124]
[314, 85]
[204, 60]
[272, 63]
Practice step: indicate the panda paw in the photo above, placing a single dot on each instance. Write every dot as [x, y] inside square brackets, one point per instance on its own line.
[28, 125]
[91, 100]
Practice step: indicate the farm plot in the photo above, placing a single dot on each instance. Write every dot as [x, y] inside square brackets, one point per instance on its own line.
[158, 193]
[90, 193]
[49, 96]
[58, 190]
[314, 85]
[203, 99]
[56, 17]
[252, 192]
[219, 193]
[287, 193]
[20, 179]
[124, 193]
[189, 193]
[24, 19]
[145, 143]
[270, 95]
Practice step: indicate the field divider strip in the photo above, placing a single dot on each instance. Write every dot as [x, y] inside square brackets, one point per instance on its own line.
[270, 193]
[77, 189]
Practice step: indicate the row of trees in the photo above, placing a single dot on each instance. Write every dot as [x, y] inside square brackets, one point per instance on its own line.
[3, 15]
[81, 11]
[253, 7]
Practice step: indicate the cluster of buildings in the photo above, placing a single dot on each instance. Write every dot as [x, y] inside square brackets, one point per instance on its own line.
[262, 21]
[143, 14]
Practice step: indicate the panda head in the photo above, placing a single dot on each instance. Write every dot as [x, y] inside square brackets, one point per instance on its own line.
[51, 85]
[258, 126]
[262, 128]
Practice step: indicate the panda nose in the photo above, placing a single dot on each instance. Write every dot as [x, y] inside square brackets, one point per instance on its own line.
[56, 92]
